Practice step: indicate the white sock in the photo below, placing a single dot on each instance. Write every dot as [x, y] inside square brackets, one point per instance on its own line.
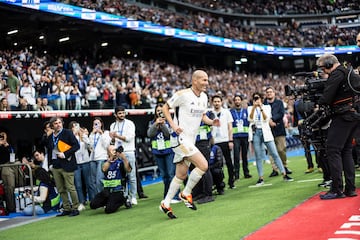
[194, 178]
[173, 189]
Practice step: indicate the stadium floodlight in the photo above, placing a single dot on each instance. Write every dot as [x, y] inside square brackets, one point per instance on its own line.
[244, 60]
[281, 57]
[41, 37]
[64, 39]
[12, 32]
[104, 44]
[238, 62]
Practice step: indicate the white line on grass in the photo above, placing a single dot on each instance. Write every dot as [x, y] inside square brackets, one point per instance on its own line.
[311, 180]
[264, 185]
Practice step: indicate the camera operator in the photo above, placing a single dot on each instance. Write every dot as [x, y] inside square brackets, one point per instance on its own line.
[115, 169]
[344, 121]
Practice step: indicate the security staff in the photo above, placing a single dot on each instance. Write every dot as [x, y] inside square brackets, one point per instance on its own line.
[240, 136]
[344, 121]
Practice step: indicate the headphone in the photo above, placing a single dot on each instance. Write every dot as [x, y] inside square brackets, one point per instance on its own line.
[328, 63]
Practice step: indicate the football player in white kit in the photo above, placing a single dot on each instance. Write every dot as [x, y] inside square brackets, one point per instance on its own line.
[189, 107]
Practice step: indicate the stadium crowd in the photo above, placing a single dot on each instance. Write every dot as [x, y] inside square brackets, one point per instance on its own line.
[275, 8]
[70, 83]
[290, 34]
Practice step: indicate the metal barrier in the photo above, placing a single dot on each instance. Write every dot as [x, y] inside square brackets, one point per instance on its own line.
[31, 180]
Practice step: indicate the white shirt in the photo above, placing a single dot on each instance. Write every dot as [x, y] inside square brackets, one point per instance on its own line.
[261, 123]
[189, 110]
[82, 155]
[28, 93]
[124, 128]
[221, 133]
[99, 143]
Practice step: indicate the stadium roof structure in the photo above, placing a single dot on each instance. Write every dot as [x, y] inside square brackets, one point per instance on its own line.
[52, 26]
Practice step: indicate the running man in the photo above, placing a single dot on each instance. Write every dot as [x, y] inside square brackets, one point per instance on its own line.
[189, 106]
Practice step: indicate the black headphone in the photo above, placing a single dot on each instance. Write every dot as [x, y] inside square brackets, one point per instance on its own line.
[328, 63]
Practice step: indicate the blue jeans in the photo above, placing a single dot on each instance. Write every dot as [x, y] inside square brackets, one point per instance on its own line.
[258, 143]
[131, 176]
[83, 173]
[28, 211]
[167, 169]
[97, 176]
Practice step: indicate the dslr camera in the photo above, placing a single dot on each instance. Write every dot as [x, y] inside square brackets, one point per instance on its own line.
[161, 114]
[119, 149]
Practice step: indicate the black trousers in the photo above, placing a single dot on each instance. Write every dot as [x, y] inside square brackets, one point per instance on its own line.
[218, 177]
[339, 152]
[241, 144]
[111, 200]
[204, 186]
[227, 155]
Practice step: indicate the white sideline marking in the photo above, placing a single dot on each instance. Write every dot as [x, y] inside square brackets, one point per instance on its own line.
[318, 179]
[264, 185]
[310, 180]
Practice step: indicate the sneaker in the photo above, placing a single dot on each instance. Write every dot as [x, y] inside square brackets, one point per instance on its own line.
[260, 182]
[309, 170]
[331, 195]
[325, 184]
[81, 207]
[74, 213]
[134, 201]
[350, 193]
[187, 200]
[288, 171]
[248, 176]
[143, 195]
[64, 213]
[287, 178]
[167, 211]
[274, 174]
[221, 192]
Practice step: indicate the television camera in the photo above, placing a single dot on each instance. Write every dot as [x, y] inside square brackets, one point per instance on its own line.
[315, 118]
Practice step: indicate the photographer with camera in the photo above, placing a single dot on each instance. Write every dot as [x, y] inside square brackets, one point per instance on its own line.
[344, 121]
[115, 170]
[260, 135]
[46, 199]
[99, 139]
[159, 132]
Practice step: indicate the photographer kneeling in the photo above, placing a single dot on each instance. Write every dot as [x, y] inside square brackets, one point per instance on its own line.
[47, 199]
[115, 170]
[344, 121]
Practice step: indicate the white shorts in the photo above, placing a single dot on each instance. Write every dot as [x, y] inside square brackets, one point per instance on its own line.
[185, 149]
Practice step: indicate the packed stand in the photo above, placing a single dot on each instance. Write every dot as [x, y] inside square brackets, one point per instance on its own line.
[290, 35]
[275, 7]
[31, 82]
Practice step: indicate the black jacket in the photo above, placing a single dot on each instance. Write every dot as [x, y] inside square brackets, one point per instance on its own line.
[336, 89]
[69, 162]
[277, 115]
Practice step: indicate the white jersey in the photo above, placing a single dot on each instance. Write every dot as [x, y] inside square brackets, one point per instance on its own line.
[188, 111]
[221, 133]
